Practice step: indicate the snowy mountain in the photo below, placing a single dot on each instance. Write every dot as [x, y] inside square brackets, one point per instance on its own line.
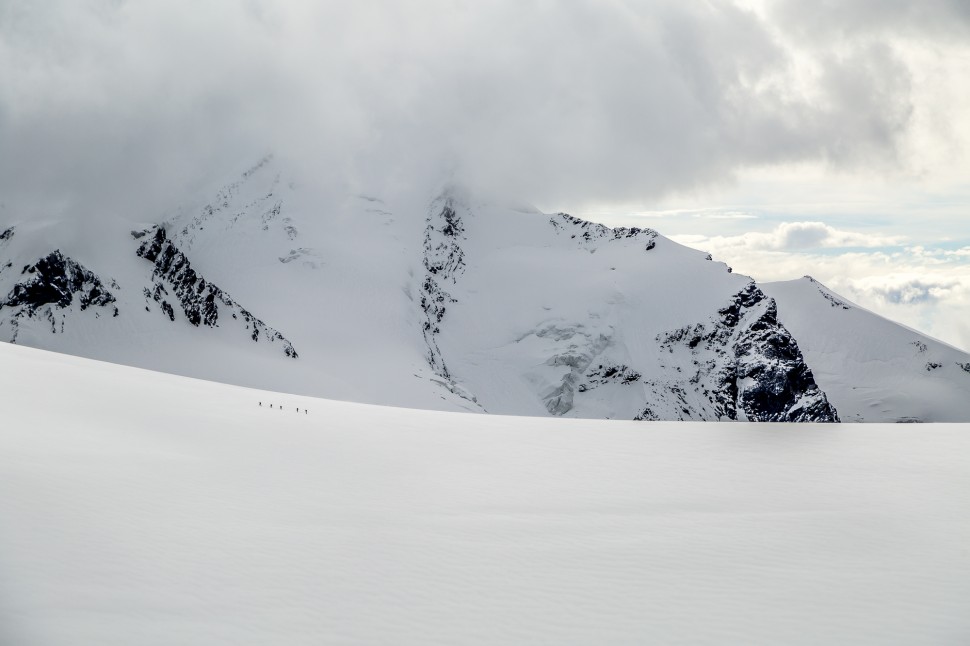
[871, 368]
[151, 509]
[447, 301]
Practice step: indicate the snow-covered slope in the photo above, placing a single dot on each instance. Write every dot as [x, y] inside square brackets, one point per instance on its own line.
[229, 289]
[145, 508]
[444, 300]
[871, 368]
[537, 314]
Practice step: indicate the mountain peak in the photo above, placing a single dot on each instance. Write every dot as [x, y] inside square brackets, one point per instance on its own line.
[460, 302]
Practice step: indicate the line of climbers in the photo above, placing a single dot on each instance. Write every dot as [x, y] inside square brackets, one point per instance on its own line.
[305, 412]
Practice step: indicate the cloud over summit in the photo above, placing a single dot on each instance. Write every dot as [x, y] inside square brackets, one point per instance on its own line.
[107, 104]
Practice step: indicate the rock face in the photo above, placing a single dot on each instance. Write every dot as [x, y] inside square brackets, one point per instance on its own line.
[588, 234]
[584, 355]
[199, 300]
[444, 262]
[55, 283]
[464, 302]
[5, 237]
[744, 365]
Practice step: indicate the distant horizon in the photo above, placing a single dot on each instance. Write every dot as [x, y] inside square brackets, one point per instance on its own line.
[915, 275]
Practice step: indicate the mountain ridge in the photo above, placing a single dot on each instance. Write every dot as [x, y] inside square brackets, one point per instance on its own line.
[464, 304]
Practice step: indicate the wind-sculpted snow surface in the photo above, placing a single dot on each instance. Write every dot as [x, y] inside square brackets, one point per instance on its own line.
[153, 510]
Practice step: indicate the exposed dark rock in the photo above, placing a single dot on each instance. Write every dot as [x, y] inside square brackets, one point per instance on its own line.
[833, 301]
[271, 214]
[933, 365]
[746, 366]
[198, 299]
[56, 282]
[609, 374]
[588, 232]
[5, 237]
[444, 261]
[168, 309]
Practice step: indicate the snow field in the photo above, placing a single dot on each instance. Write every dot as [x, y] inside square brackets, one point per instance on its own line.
[146, 508]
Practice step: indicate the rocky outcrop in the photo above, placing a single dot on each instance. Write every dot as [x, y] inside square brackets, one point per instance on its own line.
[827, 295]
[5, 236]
[444, 262]
[53, 284]
[588, 234]
[742, 365]
[202, 302]
[615, 374]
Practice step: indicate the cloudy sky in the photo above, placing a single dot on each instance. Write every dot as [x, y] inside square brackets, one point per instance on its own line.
[787, 137]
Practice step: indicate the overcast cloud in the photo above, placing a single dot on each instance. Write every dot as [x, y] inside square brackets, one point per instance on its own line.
[836, 19]
[105, 103]
[116, 106]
